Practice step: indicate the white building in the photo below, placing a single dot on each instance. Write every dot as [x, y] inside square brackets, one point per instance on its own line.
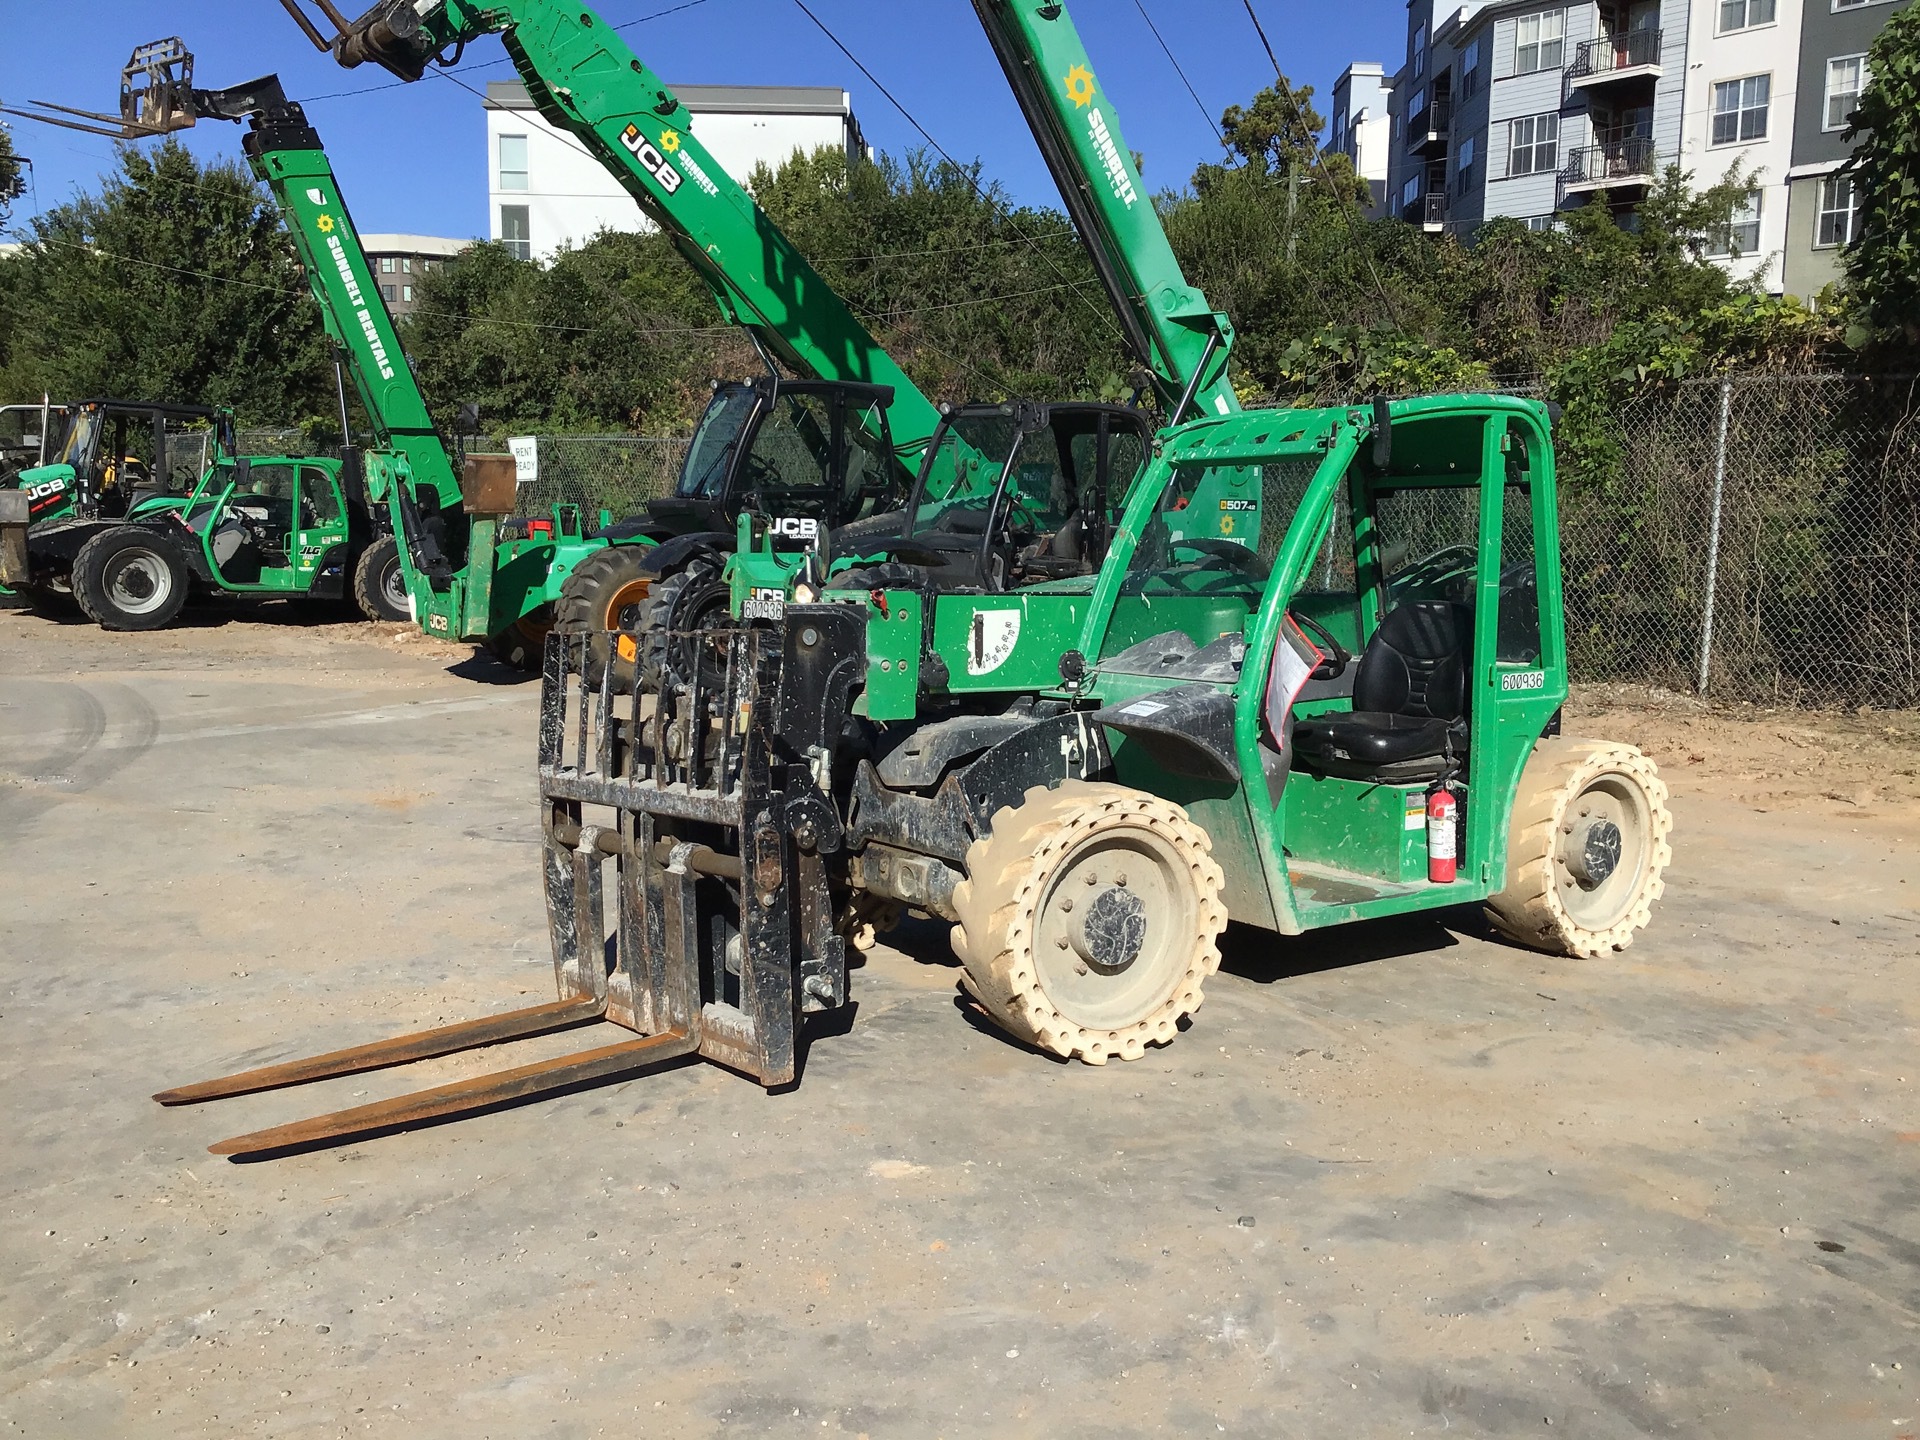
[1518, 108]
[545, 191]
[1361, 126]
[1742, 80]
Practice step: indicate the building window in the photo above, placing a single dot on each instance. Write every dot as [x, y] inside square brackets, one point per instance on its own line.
[1533, 144]
[1540, 224]
[1846, 78]
[386, 264]
[513, 162]
[1539, 42]
[1742, 235]
[1744, 14]
[1470, 69]
[1856, 4]
[1416, 106]
[406, 293]
[1740, 109]
[1419, 51]
[1339, 131]
[1838, 222]
[1410, 191]
[516, 232]
[406, 264]
[386, 293]
[1467, 149]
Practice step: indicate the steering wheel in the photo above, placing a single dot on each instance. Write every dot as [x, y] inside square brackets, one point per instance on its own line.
[1337, 656]
[1241, 557]
[1433, 568]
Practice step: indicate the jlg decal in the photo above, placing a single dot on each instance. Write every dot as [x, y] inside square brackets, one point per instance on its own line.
[648, 155]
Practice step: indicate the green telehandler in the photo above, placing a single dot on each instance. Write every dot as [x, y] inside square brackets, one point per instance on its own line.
[1315, 678]
[1295, 728]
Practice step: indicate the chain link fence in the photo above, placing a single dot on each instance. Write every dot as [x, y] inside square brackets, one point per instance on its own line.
[1755, 538]
[616, 473]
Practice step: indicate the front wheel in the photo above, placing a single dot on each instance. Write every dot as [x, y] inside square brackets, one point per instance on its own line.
[127, 578]
[380, 582]
[608, 598]
[522, 645]
[1090, 919]
[1587, 849]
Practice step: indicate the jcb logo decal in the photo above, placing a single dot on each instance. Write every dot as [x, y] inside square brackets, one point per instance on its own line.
[44, 489]
[649, 155]
[794, 527]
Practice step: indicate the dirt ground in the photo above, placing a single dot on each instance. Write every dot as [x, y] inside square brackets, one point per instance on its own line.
[1397, 1179]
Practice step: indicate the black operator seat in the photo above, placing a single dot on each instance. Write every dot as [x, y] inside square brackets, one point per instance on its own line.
[1409, 718]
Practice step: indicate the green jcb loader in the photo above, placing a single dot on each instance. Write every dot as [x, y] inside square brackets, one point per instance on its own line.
[1293, 713]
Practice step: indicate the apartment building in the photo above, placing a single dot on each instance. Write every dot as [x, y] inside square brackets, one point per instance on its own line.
[1360, 126]
[1822, 213]
[1515, 108]
[546, 191]
[398, 262]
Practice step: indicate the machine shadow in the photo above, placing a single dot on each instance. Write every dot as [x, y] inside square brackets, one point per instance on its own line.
[483, 669]
[1266, 958]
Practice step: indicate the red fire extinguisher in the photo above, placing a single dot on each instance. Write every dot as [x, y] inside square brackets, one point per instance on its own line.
[1443, 848]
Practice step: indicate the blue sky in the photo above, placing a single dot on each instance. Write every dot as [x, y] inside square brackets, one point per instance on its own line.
[413, 156]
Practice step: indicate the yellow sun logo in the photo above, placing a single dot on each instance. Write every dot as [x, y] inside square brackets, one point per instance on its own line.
[1080, 86]
[324, 224]
[669, 140]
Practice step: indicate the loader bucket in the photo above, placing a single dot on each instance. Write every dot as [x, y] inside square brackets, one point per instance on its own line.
[682, 912]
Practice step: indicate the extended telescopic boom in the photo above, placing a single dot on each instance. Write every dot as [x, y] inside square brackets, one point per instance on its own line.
[586, 81]
[1170, 326]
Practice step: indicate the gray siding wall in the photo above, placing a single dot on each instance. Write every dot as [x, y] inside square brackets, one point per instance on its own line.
[1826, 35]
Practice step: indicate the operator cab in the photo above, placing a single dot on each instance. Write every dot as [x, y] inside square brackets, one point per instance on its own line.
[119, 453]
[1019, 494]
[807, 455]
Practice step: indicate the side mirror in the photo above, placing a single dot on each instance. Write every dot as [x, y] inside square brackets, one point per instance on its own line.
[240, 468]
[467, 422]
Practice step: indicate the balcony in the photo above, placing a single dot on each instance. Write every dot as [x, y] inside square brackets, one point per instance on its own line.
[1427, 132]
[1627, 55]
[1429, 212]
[1609, 165]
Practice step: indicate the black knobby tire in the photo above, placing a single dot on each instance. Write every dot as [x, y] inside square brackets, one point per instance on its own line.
[609, 591]
[45, 601]
[129, 578]
[684, 603]
[380, 581]
[522, 645]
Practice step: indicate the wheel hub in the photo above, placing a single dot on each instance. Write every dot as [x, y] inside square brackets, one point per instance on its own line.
[1111, 930]
[138, 584]
[394, 585]
[1593, 853]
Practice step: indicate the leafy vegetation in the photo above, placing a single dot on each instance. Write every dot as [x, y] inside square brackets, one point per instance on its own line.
[1883, 264]
[173, 283]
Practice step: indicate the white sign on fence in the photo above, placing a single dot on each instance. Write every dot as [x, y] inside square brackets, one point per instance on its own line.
[526, 458]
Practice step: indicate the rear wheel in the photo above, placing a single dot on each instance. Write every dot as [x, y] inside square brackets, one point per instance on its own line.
[45, 600]
[1587, 849]
[1090, 919]
[380, 582]
[608, 598]
[128, 578]
[523, 644]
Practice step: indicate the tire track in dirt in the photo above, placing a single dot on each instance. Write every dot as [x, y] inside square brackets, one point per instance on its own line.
[76, 760]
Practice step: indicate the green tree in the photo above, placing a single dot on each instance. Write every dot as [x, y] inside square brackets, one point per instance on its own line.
[11, 180]
[1883, 263]
[175, 283]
